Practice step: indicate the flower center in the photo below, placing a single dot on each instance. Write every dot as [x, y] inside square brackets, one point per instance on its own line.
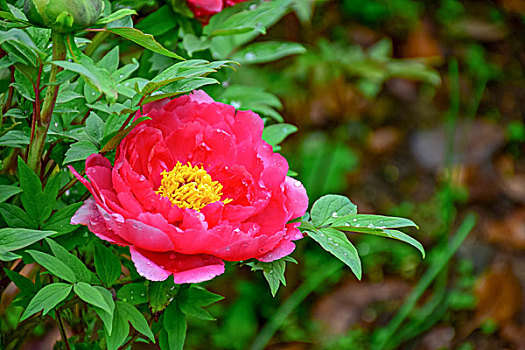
[189, 186]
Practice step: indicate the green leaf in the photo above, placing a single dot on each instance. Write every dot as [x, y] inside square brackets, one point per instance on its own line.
[179, 87]
[395, 234]
[337, 244]
[93, 296]
[32, 190]
[53, 265]
[175, 324]
[273, 271]
[14, 139]
[160, 293]
[80, 151]
[267, 51]
[182, 70]
[331, 206]
[145, 40]
[113, 139]
[124, 72]
[134, 293]
[16, 238]
[110, 60]
[47, 298]
[192, 300]
[98, 78]
[105, 316]
[22, 282]
[116, 15]
[49, 197]
[95, 127]
[276, 133]
[7, 192]
[193, 43]
[136, 318]
[60, 221]
[107, 265]
[371, 221]
[8, 256]
[275, 275]
[119, 332]
[16, 217]
[80, 270]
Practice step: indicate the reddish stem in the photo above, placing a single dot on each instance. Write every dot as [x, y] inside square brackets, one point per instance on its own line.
[123, 126]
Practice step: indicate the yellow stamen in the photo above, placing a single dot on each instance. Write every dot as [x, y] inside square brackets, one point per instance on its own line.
[189, 186]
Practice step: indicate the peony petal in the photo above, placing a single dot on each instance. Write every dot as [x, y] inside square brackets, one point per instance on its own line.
[146, 268]
[212, 6]
[284, 248]
[184, 268]
[296, 197]
[93, 216]
[146, 236]
[200, 96]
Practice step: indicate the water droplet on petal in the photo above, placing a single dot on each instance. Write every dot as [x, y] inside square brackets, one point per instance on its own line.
[141, 273]
[228, 249]
[297, 184]
[172, 256]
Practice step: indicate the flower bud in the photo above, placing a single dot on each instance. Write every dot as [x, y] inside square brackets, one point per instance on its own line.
[63, 16]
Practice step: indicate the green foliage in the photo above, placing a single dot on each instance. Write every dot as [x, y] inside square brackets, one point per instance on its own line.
[12, 239]
[53, 265]
[107, 265]
[74, 90]
[333, 215]
[133, 293]
[47, 299]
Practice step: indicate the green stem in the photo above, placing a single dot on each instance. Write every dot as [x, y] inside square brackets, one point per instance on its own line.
[36, 148]
[435, 269]
[95, 42]
[62, 329]
[286, 308]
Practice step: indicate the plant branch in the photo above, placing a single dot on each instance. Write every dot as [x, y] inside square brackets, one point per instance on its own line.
[62, 329]
[36, 147]
[70, 184]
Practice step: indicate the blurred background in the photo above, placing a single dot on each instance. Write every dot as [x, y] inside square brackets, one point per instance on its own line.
[410, 108]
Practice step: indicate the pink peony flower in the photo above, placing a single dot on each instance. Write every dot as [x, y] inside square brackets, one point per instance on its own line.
[204, 9]
[192, 187]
